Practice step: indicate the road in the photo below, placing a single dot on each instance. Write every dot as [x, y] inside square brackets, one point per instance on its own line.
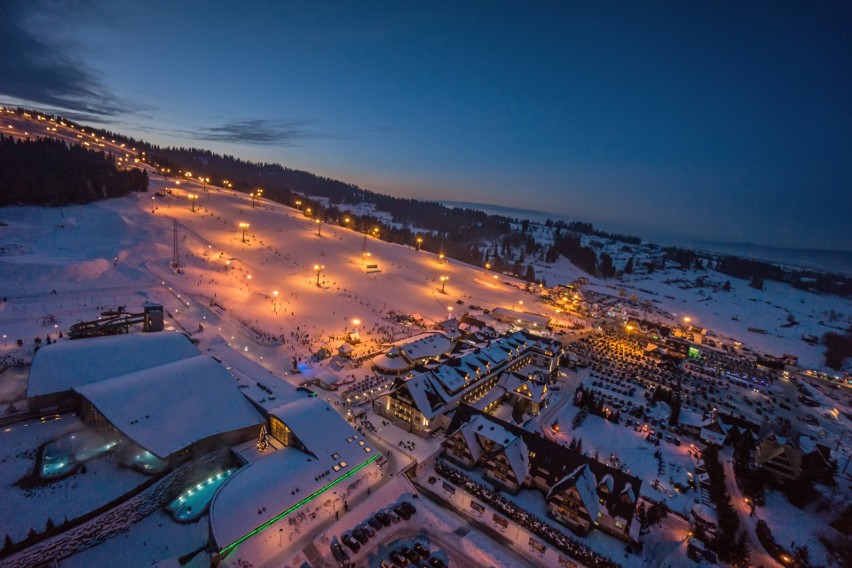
[757, 555]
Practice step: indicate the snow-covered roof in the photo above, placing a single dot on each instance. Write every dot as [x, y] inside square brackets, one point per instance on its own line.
[450, 377]
[321, 430]
[61, 366]
[165, 409]
[519, 458]
[392, 362]
[427, 396]
[270, 487]
[690, 418]
[495, 353]
[427, 345]
[524, 318]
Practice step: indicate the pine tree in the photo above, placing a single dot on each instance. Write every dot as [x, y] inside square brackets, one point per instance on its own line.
[262, 440]
[628, 268]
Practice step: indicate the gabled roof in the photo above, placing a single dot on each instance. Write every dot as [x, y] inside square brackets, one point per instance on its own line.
[557, 459]
[583, 480]
[427, 396]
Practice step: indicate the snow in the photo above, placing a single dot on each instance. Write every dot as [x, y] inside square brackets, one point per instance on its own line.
[267, 487]
[71, 263]
[57, 500]
[165, 409]
[64, 365]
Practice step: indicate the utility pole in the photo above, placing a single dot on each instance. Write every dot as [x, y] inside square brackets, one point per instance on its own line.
[175, 263]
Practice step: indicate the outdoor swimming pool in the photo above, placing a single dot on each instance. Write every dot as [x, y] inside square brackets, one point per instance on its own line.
[192, 503]
[62, 456]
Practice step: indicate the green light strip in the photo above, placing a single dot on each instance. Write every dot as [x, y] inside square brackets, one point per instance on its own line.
[313, 495]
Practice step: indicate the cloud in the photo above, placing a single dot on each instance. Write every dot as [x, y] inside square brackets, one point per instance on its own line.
[35, 69]
[260, 131]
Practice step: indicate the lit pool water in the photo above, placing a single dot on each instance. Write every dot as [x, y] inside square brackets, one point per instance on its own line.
[193, 502]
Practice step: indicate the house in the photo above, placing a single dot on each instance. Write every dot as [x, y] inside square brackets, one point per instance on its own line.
[404, 355]
[421, 402]
[786, 457]
[580, 492]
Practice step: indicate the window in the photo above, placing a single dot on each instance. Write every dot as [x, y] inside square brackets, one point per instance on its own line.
[335, 467]
[368, 449]
[335, 456]
[477, 507]
[360, 442]
[343, 464]
[619, 524]
[448, 488]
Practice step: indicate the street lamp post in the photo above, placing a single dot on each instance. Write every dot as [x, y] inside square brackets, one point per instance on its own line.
[275, 301]
[319, 228]
[244, 226]
[419, 242]
[444, 283]
[318, 268]
[192, 197]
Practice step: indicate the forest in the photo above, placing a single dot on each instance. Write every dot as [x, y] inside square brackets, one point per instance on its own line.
[47, 171]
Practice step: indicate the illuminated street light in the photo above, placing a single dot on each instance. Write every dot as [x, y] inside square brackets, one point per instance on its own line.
[244, 226]
[487, 266]
[318, 268]
[444, 283]
[5, 343]
[419, 242]
[192, 197]
[319, 228]
[275, 301]
[298, 204]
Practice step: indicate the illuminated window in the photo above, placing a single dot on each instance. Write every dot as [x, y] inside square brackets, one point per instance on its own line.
[342, 464]
[368, 449]
[335, 467]
[335, 456]
[360, 442]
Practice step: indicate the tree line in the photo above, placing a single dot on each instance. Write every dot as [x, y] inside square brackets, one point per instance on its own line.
[47, 171]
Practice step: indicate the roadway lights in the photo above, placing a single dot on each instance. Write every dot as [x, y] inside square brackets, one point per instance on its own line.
[318, 268]
[244, 226]
[319, 228]
[275, 301]
[419, 242]
[444, 283]
[192, 197]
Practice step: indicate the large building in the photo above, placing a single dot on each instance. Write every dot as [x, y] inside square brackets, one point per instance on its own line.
[155, 390]
[422, 402]
[321, 450]
[581, 493]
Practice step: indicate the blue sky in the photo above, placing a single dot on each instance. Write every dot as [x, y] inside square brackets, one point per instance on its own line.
[719, 121]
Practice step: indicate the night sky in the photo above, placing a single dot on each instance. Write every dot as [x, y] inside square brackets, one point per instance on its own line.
[725, 121]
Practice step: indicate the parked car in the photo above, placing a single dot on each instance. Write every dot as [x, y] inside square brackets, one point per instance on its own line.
[398, 559]
[349, 541]
[402, 512]
[360, 535]
[412, 556]
[367, 529]
[386, 564]
[375, 523]
[421, 550]
[437, 563]
[339, 553]
[393, 516]
[408, 507]
[384, 518]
